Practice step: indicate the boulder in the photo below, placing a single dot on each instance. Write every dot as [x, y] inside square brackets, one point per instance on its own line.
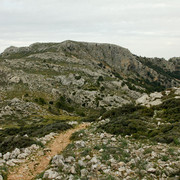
[80, 143]
[1, 178]
[81, 163]
[58, 160]
[7, 156]
[94, 160]
[84, 172]
[69, 159]
[15, 79]
[50, 174]
[22, 156]
[10, 163]
[177, 91]
[15, 153]
[143, 99]
[73, 170]
[151, 170]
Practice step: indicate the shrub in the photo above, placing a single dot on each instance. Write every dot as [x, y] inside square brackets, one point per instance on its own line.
[12, 142]
[40, 101]
[63, 104]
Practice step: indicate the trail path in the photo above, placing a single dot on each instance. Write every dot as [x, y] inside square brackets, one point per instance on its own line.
[29, 169]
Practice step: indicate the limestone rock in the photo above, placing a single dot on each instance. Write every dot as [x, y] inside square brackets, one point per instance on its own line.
[58, 160]
[7, 156]
[15, 153]
[84, 172]
[151, 170]
[50, 174]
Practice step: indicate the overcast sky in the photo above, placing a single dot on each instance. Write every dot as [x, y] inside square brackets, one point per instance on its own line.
[146, 28]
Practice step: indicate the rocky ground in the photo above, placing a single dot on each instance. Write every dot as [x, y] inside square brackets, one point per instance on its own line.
[48, 88]
[95, 154]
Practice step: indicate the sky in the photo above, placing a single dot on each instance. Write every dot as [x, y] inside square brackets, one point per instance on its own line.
[146, 28]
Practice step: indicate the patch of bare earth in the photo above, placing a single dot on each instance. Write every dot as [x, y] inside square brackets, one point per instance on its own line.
[30, 169]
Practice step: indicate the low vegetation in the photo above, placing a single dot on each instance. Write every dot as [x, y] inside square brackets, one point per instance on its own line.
[22, 137]
[159, 123]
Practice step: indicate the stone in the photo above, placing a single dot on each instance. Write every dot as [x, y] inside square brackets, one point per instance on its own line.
[84, 172]
[155, 102]
[27, 150]
[143, 99]
[66, 168]
[22, 156]
[15, 153]
[50, 174]
[81, 163]
[121, 169]
[88, 157]
[15, 79]
[106, 171]
[151, 170]
[69, 159]
[7, 156]
[71, 177]
[102, 135]
[73, 170]
[58, 160]
[80, 143]
[113, 139]
[170, 170]
[156, 95]
[177, 92]
[1, 155]
[94, 160]
[15, 100]
[10, 163]
[153, 154]
[2, 161]
[121, 164]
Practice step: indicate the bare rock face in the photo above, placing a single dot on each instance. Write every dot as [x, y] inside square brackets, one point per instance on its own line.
[90, 74]
[150, 100]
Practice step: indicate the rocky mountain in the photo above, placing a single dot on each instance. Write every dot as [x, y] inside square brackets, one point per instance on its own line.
[90, 74]
[131, 103]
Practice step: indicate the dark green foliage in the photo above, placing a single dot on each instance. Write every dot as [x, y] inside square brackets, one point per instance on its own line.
[158, 69]
[116, 74]
[77, 135]
[40, 101]
[14, 137]
[4, 172]
[77, 77]
[35, 131]
[89, 119]
[102, 88]
[125, 109]
[138, 121]
[12, 142]
[150, 86]
[100, 78]
[64, 104]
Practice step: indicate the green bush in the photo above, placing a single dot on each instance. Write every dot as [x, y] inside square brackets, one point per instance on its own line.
[12, 142]
[77, 135]
[62, 103]
[139, 122]
[40, 101]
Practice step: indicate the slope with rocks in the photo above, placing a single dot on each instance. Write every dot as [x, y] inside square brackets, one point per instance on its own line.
[45, 86]
[131, 142]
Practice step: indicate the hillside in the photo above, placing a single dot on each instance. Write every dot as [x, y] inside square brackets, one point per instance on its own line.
[49, 88]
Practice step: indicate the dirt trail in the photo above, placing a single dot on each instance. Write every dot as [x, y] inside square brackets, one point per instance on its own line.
[29, 169]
